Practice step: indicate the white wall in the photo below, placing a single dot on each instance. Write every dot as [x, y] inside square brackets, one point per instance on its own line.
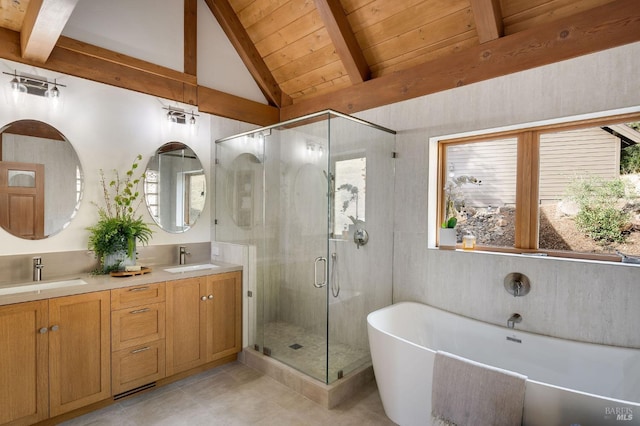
[134, 28]
[219, 66]
[153, 30]
[572, 299]
[108, 127]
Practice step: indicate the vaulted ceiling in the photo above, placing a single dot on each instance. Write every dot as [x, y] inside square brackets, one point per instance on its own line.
[349, 55]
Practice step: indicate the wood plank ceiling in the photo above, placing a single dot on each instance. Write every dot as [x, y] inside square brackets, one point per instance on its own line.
[307, 55]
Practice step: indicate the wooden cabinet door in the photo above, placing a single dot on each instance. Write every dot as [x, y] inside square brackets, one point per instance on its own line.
[224, 315]
[22, 199]
[186, 324]
[79, 351]
[24, 387]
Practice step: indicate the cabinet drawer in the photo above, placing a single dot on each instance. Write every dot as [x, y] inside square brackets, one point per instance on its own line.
[137, 325]
[138, 366]
[137, 295]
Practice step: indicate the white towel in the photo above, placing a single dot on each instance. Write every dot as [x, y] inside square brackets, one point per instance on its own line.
[468, 393]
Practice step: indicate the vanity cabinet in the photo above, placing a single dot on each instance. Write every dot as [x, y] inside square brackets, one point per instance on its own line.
[137, 336]
[204, 320]
[24, 363]
[62, 354]
[54, 357]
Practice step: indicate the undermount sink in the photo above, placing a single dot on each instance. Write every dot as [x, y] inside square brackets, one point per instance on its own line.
[25, 288]
[190, 268]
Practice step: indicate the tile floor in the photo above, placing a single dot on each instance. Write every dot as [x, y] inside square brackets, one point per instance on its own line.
[235, 394]
[311, 356]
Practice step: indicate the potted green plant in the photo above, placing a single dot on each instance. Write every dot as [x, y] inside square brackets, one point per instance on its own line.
[113, 238]
[448, 235]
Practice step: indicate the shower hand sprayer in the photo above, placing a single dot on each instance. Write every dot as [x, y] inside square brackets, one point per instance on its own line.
[335, 277]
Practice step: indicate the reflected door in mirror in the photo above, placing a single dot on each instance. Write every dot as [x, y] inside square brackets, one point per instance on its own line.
[22, 199]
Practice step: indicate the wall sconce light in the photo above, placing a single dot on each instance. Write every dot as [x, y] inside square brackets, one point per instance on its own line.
[255, 144]
[179, 115]
[314, 151]
[34, 85]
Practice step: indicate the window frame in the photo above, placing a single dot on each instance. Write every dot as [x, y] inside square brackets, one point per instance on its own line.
[527, 178]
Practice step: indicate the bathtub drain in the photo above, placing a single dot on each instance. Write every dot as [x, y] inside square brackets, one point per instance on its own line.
[295, 346]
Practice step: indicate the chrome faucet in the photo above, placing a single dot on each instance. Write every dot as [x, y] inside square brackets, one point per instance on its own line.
[183, 255]
[37, 268]
[513, 320]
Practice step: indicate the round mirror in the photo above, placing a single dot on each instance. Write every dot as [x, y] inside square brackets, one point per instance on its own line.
[175, 187]
[41, 180]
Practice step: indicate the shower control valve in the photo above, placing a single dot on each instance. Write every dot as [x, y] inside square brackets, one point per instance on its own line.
[517, 284]
[360, 237]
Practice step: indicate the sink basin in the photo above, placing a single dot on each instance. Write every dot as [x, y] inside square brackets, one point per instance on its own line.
[190, 268]
[24, 288]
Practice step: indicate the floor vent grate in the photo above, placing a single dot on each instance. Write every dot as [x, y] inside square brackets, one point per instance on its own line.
[134, 391]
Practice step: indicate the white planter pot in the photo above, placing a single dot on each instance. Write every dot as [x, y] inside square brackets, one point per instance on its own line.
[119, 259]
[448, 238]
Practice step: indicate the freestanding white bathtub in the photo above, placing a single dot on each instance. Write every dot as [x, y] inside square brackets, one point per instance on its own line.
[569, 383]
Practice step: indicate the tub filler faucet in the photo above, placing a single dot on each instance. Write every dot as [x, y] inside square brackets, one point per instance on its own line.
[513, 320]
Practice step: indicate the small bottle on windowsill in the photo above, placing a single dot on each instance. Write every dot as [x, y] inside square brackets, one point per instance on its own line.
[468, 241]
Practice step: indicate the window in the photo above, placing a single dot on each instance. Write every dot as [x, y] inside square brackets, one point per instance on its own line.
[350, 193]
[151, 183]
[566, 190]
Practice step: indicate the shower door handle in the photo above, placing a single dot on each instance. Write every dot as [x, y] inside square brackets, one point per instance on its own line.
[317, 284]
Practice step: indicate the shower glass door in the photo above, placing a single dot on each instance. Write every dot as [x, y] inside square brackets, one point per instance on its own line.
[297, 220]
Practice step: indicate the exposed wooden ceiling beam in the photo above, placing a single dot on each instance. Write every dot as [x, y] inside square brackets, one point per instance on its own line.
[347, 47]
[120, 59]
[240, 40]
[73, 57]
[191, 37]
[613, 24]
[225, 105]
[42, 26]
[488, 17]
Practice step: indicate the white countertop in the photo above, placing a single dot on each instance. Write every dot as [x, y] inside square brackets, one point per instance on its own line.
[107, 282]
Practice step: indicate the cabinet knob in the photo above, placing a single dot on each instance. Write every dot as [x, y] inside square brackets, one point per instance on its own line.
[54, 328]
[203, 298]
[43, 330]
[211, 296]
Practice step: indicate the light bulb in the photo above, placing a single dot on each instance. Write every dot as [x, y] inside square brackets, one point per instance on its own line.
[53, 93]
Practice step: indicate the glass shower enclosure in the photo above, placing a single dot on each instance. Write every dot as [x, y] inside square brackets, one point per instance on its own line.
[314, 196]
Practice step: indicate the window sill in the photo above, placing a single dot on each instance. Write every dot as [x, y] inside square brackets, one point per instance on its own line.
[543, 254]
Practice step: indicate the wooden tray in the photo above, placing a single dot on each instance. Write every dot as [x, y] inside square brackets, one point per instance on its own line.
[144, 270]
